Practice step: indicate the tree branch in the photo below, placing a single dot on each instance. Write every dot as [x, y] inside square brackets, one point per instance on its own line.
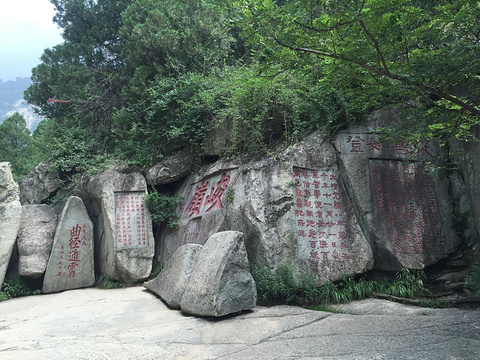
[375, 44]
[385, 72]
[333, 27]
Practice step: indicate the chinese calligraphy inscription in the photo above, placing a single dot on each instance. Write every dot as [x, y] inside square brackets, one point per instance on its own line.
[206, 196]
[320, 218]
[373, 146]
[406, 208]
[193, 229]
[130, 220]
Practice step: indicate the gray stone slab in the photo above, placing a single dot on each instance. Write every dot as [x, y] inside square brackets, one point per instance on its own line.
[172, 281]
[221, 282]
[35, 239]
[70, 265]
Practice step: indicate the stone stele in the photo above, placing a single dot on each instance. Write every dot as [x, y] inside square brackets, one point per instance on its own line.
[71, 262]
[35, 239]
[221, 282]
[10, 215]
[170, 284]
[123, 225]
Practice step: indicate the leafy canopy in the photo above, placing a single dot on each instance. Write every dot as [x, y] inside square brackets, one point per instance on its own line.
[421, 52]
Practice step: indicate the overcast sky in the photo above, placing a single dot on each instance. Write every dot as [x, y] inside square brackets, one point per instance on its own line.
[26, 29]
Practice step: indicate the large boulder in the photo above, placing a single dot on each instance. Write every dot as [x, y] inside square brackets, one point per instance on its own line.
[401, 196]
[38, 186]
[10, 216]
[170, 284]
[123, 226]
[71, 263]
[292, 208]
[35, 239]
[221, 283]
[171, 169]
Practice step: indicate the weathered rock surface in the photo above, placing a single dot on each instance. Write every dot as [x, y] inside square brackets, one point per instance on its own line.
[221, 283]
[170, 169]
[123, 226]
[292, 209]
[35, 239]
[40, 185]
[170, 284]
[71, 263]
[466, 154]
[401, 195]
[10, 215]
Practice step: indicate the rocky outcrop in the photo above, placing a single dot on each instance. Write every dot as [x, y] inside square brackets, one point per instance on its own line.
[170, 169]
[401, 196]
[39, 185]
[71, 265]
[170, 284]
[35, 239]
[123, 226]
[292, 209]
[221, 283]
[10, 215]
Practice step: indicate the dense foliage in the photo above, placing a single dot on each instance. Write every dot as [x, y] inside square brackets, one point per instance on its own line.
[16, 145]
[145, 78]
[422, 53]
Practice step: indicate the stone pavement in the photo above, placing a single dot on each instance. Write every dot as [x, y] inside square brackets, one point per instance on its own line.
[132, 323]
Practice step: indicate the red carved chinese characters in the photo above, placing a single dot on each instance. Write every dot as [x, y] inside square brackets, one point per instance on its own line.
[320, 218]
[193, 229]
[130, 222]
[206, 197]
[404, 200]
[214, 199]
[372, 146]
[77, 239]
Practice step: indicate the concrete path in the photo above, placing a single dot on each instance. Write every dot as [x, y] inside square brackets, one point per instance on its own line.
[132, 323]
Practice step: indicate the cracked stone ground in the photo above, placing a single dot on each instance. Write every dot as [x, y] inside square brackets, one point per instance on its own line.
[134, 324]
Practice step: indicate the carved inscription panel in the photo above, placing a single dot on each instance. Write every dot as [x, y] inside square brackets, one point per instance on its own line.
[405, 207]
[319, 215]
[130, 220]
[205, 196]
[373, 146]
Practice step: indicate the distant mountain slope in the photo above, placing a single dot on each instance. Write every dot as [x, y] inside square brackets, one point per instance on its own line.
[11, 100]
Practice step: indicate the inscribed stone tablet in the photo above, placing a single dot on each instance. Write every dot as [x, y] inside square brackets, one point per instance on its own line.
[130, 220]
[405, 207]
[320, 217]
[71, 261]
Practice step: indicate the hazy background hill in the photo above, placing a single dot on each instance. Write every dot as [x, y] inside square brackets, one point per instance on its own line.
[11, 101]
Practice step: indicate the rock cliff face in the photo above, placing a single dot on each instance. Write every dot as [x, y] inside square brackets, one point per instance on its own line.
[324, 206]
[292, 209]
[334, 207]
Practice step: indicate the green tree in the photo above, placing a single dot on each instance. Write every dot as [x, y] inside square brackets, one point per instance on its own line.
[87, 69]
[16, 146]
[170, 38]
[422, 53]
